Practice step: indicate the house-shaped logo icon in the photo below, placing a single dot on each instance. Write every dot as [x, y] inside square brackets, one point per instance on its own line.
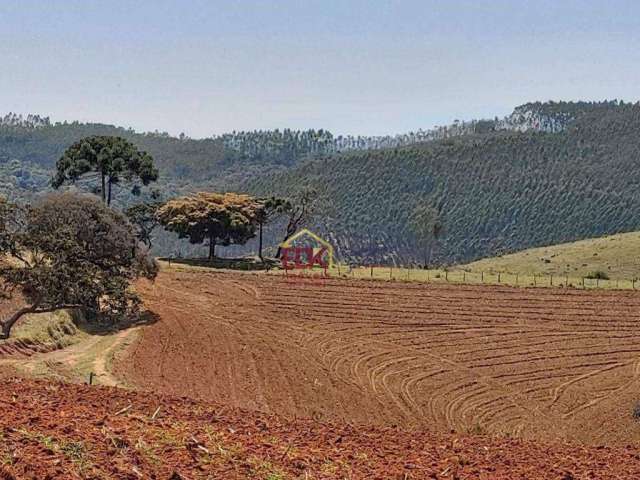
[305, 249]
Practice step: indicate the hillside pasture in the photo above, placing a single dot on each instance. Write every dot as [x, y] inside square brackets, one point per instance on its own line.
[618, 256]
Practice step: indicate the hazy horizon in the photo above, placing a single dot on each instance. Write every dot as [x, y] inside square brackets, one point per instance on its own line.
[355, 67]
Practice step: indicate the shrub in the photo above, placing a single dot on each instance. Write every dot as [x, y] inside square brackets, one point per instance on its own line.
[598, 274]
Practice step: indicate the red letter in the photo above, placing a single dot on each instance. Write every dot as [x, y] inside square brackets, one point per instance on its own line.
[284, 258]
[317, 258]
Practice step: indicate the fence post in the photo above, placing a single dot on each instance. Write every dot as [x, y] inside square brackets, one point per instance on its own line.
[482, 277]
[516, 279]
[498, 277]
[582, 282]
[534, 281]
[633, 284]
[551, 280]
[566, 281]
[597, 282]
[464, 277]
[446, 275]
[371, 271]
[391, 272]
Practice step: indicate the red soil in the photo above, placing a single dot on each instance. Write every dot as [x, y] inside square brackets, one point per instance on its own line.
[551, 364]
[55, 431]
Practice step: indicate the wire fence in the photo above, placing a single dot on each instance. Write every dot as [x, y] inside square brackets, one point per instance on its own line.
[392, 273]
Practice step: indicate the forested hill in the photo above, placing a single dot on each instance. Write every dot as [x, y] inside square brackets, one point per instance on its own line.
[548, 172]
[236, 156]
[30, 147]
[499, 191]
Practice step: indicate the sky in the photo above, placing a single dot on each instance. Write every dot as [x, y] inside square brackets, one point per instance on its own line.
[354, 67]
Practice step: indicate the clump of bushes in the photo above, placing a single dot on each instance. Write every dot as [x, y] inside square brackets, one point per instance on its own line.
[598, 274]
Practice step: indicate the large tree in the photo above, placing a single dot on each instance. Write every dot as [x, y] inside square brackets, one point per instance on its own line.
[107, 161]
[70, 251]
[220, 219]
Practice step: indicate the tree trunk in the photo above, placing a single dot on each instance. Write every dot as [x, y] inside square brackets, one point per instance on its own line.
[291, 229]
[429, 253]
[109, 197]
[103, 189]
[279, 252]
[7, 325]
[292, 226]
[212, 247]
[260, 243]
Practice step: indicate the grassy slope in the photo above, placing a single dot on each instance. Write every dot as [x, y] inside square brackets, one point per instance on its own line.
[617, 255]
[56, 328]
[52, 346]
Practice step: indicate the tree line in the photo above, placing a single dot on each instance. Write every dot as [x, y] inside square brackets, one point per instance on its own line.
[228, 160]
[99, 162]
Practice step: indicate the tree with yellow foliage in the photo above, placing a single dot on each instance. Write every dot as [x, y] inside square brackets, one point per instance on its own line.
[219, 218]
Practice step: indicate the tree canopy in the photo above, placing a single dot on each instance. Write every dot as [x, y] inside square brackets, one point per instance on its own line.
[220, 218]
[108, 160]
[70, 251]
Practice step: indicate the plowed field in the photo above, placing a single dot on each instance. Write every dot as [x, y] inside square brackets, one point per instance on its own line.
[56, 431]
[552, 364]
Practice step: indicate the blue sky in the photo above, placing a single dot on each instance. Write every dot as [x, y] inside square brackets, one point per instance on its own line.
[359, 67]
